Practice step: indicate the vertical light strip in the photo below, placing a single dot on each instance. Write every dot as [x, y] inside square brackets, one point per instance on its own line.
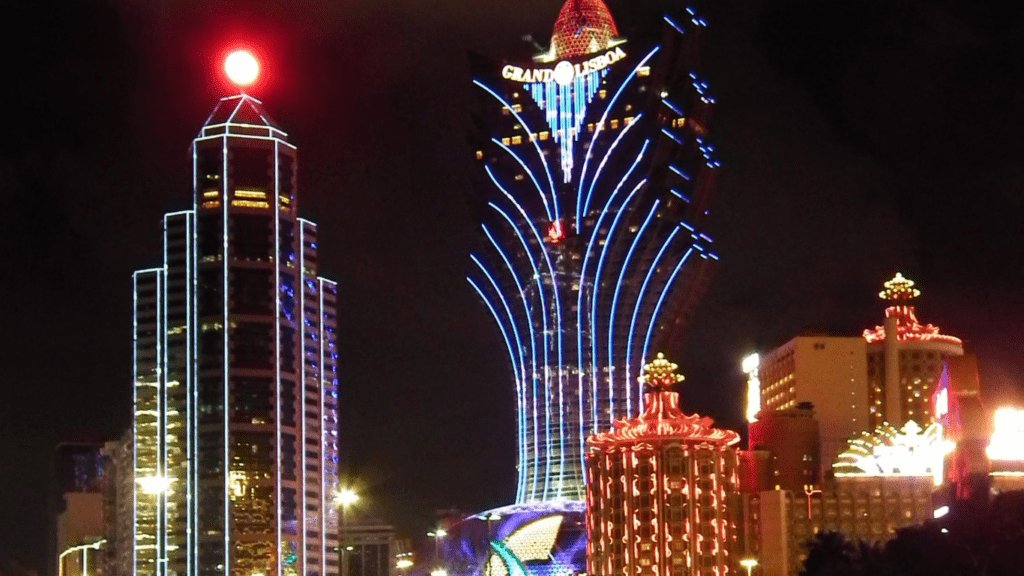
[226, 356]
[615, 301]
[302, 381]
[654, 316]
[521, 400]
[533, 377]
[193, 394]
[543, 198]
[323, 438]
[595, 232]
[593, 312]
[162, 383]
[277, 359]
[600, 126]
[558, 327]
[639, 301]
[526, 128]
[135, 422]
[604, 161]
[192, 385]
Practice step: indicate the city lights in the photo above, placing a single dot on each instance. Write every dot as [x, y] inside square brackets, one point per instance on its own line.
[750, 367]
[578, 270]
[1007, 443]
[241, 67]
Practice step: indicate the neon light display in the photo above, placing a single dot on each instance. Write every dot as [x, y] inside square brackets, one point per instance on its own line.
[235, 342]
[577, 270]
[530, 539]
[750, 367]
[658, 487]
[900, 291]
[1007, 442]
[910, 451]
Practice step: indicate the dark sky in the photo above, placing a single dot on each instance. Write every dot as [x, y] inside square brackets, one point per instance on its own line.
[857, 139]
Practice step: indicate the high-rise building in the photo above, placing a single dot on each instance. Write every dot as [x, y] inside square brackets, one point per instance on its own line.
[662, 490]
[235, 448]
[905, 359]
[828, 372]
[595, 175]
[858, 383]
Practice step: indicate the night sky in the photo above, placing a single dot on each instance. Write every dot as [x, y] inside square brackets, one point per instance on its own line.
[857, 139]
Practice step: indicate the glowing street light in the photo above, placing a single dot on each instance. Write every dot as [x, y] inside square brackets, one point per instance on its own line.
[437, 535]
[242, 67]
[749, 564]
[343, 499]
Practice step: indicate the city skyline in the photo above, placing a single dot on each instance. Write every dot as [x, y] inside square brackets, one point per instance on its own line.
[837, 174]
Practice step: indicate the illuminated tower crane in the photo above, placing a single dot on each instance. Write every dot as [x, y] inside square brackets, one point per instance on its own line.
[595, 172]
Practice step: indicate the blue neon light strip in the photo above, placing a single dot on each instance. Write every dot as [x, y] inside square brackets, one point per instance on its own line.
[657, 308]
[600, 125]
[544, 319]
[533, 355]
[593, 311]
[615, 302]
[583, 274]
[543, 198]
[640, 299]
[526, 128]
[600, 167]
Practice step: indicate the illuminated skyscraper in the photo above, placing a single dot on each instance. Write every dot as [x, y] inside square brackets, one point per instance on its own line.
[663, 491]
[595, 172]
[235, 429]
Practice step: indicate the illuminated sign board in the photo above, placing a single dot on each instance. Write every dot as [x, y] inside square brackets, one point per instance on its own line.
[564, 72]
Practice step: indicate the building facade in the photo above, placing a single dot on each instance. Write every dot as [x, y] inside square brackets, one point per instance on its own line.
[856, 384]
[595, 174]
[235, 445]
[905, 359]
[662, 490]
[828, 372]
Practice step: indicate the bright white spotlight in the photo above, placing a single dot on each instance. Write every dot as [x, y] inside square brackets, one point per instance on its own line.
[242, 67]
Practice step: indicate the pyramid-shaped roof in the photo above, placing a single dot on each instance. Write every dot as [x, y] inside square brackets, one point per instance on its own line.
[240, 110]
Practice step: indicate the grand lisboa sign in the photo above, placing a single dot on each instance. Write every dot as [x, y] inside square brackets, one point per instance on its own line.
[564, 72]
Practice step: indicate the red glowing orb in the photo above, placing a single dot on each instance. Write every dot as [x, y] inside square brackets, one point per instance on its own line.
[242, 67]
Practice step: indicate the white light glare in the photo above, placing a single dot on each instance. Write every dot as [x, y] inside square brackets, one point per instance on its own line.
[940, 512]
[242, 67]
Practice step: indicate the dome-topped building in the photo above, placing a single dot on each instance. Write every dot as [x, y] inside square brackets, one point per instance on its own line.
[583, 27]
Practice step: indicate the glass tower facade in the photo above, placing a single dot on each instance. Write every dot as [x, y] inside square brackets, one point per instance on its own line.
[595, 172]
[235, 428]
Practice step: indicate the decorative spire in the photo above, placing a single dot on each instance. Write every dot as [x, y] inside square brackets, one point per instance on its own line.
[660, 374]
[662, 418]
[899, 289]
[899, 292]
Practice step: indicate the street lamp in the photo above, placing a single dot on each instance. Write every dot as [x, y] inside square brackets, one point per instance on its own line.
[749, 564]
[343, 499]
[437, 535]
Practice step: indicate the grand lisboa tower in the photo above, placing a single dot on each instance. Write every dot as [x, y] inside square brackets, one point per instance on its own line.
[594, 175]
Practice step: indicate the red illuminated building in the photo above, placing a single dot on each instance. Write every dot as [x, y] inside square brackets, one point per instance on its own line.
[661, 489]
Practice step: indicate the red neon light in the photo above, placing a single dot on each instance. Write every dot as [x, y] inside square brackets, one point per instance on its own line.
[555, 232]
